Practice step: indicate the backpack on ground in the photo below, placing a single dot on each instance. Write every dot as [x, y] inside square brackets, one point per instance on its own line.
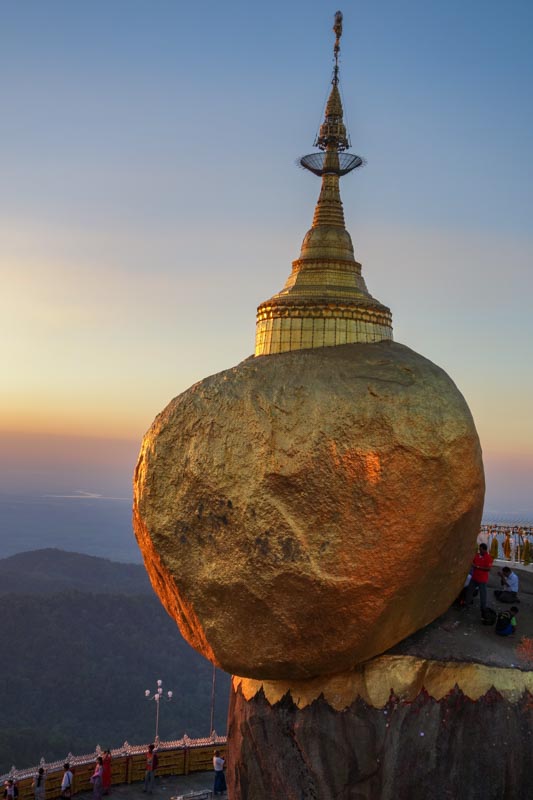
[503, 621]
[489, 616]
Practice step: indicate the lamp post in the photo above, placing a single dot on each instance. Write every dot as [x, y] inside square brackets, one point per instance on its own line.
[213, 682]
[157, 697]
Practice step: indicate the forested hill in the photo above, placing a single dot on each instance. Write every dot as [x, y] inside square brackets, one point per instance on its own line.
[82, 638]
[51, 571]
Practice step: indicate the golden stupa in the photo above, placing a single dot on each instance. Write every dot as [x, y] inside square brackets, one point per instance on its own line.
[325, 300]
[305, 510]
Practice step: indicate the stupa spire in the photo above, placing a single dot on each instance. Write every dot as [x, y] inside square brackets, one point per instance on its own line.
[325, 301]
[332, 134]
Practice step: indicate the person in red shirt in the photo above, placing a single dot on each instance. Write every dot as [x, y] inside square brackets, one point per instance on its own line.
[151, 766]
[106, 774]
[480, 576]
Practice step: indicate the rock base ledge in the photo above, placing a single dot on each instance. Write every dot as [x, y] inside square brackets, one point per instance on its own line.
[412, 730]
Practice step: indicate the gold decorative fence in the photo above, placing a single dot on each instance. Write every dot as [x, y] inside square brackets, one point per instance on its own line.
[127, 765]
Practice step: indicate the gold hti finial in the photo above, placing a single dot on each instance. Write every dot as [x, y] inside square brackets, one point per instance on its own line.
[332, 134]
[325, 301]
[337, 29]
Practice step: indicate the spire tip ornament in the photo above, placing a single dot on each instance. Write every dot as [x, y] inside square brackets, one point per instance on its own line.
[337, 29]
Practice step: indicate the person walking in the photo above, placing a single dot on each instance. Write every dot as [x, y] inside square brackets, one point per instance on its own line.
[480, 576]
[220, 778]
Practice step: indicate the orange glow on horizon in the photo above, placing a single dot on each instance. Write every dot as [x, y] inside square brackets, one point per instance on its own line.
[87, 423]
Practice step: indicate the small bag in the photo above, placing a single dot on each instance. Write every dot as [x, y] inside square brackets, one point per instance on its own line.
[489, 616]
[503, 623]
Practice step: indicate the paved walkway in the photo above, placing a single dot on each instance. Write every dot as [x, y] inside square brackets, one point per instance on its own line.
[165, 788]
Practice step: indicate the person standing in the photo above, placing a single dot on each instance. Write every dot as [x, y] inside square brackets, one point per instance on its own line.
[480, 576]
[66, 783]
[220, 778]
[39, 785]
[507, 545]
[106, 776]
[96, 778]
[11, 791]
[150, 768]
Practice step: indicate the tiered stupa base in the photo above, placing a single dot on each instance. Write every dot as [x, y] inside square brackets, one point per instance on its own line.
[298, 326]
[397, 728]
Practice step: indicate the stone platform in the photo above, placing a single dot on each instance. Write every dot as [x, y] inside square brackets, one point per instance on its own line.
[165, 787]
[458, 634]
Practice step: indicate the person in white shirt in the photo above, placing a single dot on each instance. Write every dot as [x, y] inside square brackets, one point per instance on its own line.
[220, 778]
[509, 582]
[66, 783]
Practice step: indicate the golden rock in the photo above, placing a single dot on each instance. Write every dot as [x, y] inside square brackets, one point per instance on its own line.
[301, 513]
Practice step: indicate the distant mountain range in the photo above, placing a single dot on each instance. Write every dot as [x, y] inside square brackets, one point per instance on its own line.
[53, 571]
[82, 638]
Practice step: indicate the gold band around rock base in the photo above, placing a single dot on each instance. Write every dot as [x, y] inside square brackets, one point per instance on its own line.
[402, 676]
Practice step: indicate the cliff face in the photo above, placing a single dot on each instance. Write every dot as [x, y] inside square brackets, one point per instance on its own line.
[418, 745]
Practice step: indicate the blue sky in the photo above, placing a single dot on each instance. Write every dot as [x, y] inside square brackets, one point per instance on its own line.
[150, 200]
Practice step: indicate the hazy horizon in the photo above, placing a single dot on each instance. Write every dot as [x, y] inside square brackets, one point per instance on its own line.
[150, 202]
[88, 509]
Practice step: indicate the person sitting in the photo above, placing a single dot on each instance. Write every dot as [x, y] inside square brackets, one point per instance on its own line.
[509, 581]
[506, 622]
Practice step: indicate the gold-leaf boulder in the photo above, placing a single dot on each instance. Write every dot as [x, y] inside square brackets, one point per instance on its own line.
[303, 512]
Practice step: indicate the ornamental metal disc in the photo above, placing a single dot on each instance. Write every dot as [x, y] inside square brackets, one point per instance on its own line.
[315, 162]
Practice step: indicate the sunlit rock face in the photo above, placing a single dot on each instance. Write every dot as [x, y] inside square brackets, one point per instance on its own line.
[303, 512]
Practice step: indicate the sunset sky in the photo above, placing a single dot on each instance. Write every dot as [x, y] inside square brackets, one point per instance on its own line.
[150, 201]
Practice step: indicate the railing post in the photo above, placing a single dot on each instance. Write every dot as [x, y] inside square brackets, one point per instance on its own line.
[186, 761]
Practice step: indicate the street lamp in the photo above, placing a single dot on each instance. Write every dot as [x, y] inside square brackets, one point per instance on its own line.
[213, 682]
[157, 697]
